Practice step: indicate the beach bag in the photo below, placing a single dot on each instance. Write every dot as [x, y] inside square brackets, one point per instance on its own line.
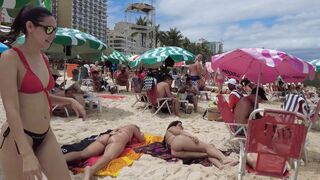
[148, 83]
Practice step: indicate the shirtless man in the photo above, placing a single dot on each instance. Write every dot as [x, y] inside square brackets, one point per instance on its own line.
[109, 144]
[245, 106]
[163, 91]
[196, 69]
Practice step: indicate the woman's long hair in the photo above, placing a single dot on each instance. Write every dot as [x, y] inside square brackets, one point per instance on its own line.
[173, 123]
[27, 13]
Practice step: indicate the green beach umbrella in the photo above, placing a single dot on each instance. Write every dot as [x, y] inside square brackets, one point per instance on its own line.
[316, 81]
[316, 64]
[117, 57]
[81, 44]
[156, 57]
[13, 4]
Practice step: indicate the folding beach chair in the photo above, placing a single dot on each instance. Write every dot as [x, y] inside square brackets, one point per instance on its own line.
[236, 130]
[64, 108]
[298, 103]
[140, 97]
[158, 103]
[275, 138]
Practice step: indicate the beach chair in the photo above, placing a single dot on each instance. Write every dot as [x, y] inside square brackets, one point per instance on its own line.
[275, 92]
[236, 130]
[88, 83]
[157, 103]
[62, 106]
[141, 97]
[184, 103]
[204, 93]
[275, 138]
[298, 103]
[93, 102]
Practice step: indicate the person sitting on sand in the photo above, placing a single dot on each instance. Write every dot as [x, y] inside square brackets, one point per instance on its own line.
[110, 145]
[245, 106]
[163, 91]
[123, 78]
[184, 145]
[235, 94]
[192, 93]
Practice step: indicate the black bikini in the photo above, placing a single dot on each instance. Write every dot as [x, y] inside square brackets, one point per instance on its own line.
[37, 139]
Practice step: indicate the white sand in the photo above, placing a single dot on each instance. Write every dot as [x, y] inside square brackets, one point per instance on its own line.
[119, 112]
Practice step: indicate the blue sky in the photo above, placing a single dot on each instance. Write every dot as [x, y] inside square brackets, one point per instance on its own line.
[292, 27]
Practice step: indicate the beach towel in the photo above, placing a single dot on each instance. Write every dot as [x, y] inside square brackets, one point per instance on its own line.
[78, 146]
[127, 157]
[157, 149]
[113, 97]
[292, 102]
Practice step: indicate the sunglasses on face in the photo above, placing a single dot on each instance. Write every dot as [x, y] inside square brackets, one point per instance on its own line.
[47, 29]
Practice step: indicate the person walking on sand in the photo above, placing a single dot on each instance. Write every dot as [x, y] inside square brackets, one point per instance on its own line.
[29, 148]
[109, 144]
[184, 145]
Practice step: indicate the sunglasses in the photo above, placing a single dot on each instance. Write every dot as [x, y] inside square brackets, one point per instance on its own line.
[47, 29]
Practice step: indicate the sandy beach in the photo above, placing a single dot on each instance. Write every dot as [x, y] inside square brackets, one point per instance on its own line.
[119, 112]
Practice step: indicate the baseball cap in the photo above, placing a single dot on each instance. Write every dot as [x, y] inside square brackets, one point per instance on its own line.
[232, 81]
[261, 93]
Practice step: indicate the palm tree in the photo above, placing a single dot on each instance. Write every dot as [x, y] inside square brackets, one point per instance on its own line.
[142, 21]
[173, 37]
[157, 34]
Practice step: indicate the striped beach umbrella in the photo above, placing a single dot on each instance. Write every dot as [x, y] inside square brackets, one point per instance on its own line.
[316, 64]
[117, 57]
[13, 4]
[262, 65]
[156, 57]
[132, 57]
[82, 44]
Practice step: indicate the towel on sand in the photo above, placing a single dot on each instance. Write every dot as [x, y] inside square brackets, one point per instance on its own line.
[113, 97]
[157, 149]
[127, 158]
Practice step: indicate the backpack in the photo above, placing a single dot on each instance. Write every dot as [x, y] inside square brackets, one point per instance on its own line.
[148, 82]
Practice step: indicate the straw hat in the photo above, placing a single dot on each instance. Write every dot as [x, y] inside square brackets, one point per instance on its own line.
[55, 72]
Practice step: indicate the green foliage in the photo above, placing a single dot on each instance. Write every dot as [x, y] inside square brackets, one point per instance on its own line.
[174, 37]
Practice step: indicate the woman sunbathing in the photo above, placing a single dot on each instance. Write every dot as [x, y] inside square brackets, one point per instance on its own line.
[184, 145]
[110, 145]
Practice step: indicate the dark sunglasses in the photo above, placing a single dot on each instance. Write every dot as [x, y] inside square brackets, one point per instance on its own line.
[47, 29]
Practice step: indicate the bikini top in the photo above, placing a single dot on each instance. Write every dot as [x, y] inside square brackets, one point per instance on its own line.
[31, 83]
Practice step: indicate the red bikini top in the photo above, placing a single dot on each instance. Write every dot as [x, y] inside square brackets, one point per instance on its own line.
[31, 83]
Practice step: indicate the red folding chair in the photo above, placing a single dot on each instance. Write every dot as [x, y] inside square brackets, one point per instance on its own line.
[275, 138]
[236, 130]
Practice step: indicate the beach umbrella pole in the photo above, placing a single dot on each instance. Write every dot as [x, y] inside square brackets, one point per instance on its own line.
[257, 90]
[64, 69]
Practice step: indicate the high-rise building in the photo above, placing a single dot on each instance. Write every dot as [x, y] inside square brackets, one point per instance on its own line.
[89, 16]
[215, 47]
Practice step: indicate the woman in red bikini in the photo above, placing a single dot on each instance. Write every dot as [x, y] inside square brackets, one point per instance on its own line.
[110, 145]
[29, 149]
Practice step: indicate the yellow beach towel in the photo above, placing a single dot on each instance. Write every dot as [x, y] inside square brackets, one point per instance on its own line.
[127, 158]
